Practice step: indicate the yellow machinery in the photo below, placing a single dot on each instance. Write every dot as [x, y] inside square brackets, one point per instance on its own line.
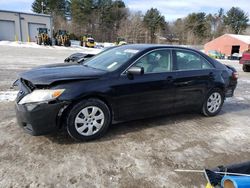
[120, 41]
[87, 41]
[43, 37]
[62, 38]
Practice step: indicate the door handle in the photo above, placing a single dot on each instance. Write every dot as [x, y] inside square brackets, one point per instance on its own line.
[184, 83]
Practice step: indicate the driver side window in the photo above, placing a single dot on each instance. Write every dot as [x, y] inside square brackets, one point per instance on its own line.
[156, 62]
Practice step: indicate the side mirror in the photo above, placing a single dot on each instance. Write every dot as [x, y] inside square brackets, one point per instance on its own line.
[135, 71]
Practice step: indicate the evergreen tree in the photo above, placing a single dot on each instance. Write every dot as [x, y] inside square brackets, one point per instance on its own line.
[55, 7]
[154, 22]
[40, 6]
[236, 19]
[197, 25]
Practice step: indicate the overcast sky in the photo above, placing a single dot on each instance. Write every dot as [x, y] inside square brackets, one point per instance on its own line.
[171, 9]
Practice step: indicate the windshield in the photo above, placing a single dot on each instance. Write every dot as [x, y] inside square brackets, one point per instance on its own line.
[62, 32]
[213, 52]
[43, 30]
[111, 59]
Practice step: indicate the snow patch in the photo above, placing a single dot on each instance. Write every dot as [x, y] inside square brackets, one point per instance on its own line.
[235, 99]
[107, 44]
[6, 96]
[74, 46]
[245, 81]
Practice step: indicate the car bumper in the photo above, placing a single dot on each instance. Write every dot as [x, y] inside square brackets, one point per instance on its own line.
[230, 90]
[245, 62]
[39, 119]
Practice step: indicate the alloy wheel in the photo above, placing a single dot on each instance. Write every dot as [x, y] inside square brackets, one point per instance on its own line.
[89, 120]
[214, 102]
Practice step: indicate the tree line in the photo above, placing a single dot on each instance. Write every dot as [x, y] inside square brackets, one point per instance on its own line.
[108, 19]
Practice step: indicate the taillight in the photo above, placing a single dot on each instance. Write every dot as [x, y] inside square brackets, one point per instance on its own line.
[235, 75]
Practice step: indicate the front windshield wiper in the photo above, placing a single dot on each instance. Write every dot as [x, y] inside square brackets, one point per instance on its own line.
[85, 64]
[92, 67]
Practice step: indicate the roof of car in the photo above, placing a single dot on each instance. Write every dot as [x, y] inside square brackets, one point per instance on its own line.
[150, 46]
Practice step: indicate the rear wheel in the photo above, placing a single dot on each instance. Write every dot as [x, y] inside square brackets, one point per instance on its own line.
[213, 103]
[246, 68]
[88, 120]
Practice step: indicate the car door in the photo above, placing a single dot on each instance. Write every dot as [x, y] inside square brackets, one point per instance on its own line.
[149, 94]
[194, 77]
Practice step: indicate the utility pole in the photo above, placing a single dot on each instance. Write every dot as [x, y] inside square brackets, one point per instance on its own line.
[42, 4]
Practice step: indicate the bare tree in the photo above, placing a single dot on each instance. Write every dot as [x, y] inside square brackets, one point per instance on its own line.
[132, 28]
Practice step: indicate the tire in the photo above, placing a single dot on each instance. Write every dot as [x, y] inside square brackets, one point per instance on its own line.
[83, 124]
[246, 68]
[39, 41]
[50, 42]
[213, 103]
[67, 44]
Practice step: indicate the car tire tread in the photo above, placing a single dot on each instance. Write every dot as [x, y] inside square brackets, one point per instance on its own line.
[75, 110]
[204, 110]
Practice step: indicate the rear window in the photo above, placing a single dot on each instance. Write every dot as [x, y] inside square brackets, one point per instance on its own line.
[188, 60]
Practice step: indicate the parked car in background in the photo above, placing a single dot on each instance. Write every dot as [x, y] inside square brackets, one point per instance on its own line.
[78, 57]
[235, 56]
[121, 84]
[245, 61]
[81, 57]
[215, 54]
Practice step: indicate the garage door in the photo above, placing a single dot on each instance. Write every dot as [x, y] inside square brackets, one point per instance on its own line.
[33, 30]
[7, 30]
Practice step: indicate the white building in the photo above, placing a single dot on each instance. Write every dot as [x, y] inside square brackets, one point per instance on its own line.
[20, 26]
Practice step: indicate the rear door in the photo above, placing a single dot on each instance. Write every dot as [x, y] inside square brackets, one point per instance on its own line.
[150, 94]
[194, 77]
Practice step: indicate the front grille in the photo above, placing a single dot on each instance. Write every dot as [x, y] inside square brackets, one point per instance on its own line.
[25, 87]
[28, 84]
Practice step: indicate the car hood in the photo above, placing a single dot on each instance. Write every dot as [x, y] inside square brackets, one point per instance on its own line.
[46, 75]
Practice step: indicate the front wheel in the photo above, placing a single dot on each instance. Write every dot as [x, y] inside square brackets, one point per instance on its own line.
[88, 120]
[39, 41]
[213, 103]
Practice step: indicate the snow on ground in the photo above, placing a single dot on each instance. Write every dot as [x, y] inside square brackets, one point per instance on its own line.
[6, 96]
[74, 46]
[105, 44]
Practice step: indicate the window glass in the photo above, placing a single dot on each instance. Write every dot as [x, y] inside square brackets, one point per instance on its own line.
[156, 61]
[186, 60]
[112, 59]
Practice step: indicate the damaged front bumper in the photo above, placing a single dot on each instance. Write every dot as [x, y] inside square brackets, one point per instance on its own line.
[39, 118]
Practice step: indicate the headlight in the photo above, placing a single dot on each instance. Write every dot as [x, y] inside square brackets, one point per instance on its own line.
[41, 95]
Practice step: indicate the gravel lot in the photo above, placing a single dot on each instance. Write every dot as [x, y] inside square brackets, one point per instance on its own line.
[134, 154]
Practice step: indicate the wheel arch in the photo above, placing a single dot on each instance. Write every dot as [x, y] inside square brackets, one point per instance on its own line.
[62, 118]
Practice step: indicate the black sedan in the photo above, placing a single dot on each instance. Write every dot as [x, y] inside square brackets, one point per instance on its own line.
[125, 83]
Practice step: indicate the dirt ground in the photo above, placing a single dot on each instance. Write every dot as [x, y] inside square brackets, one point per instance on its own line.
[134, 154]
